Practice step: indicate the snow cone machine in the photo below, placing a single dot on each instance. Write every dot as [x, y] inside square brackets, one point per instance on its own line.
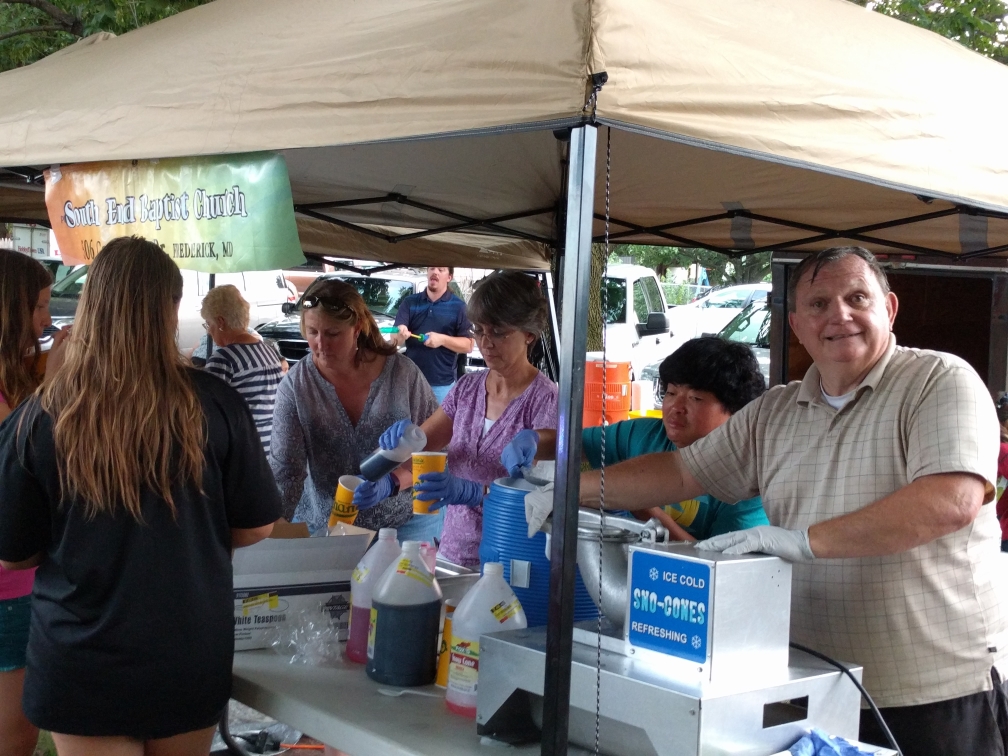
[693, 656]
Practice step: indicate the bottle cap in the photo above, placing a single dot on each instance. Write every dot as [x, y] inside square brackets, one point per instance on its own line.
[387, 534]
[411, 546]
[414, 437]
[493, 568]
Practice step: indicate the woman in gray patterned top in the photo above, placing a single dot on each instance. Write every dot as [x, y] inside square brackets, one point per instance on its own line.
[334, 404]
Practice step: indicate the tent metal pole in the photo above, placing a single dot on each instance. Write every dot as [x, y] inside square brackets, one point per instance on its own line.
[574, 337]
[209, 338]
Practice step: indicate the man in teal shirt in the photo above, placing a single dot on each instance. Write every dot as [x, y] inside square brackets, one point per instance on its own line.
[704, 382]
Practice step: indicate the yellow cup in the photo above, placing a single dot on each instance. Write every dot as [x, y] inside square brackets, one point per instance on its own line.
[426, 462]
[343, 507]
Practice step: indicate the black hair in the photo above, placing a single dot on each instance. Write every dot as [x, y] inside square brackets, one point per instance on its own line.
[820, 259]
[727, 369]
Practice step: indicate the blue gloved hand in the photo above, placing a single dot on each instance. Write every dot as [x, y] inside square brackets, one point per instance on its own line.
[389, 439]
[520, 452]
[369, 493]
[444, 488]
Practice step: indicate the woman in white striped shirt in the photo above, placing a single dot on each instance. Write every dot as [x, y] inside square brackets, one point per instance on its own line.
[242, 359]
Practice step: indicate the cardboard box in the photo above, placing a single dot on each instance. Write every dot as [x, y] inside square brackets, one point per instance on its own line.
[279, 576]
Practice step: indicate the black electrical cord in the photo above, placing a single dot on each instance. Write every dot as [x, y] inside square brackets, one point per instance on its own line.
[860, 687]
[232, 745]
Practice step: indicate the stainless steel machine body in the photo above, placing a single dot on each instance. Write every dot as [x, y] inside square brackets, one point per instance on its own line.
[701, 665]
[605, 574]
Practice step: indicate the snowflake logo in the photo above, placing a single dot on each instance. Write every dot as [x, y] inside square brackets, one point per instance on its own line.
[697, 642]
[653, 573]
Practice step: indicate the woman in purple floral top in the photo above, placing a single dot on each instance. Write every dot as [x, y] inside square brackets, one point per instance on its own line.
[483, 411]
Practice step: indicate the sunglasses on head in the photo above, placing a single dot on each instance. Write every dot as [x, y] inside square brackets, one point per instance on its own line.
[332, 304]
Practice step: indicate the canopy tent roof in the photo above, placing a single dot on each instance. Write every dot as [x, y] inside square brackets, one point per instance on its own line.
[738, 125]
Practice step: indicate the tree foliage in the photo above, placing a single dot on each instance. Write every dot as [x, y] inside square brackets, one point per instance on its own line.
[32, 29]
[721, 269]
[980, 25]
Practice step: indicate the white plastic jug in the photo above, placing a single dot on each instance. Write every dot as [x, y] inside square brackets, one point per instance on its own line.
[362, 582]
[405, 621]
[489, 607]
[383, 461]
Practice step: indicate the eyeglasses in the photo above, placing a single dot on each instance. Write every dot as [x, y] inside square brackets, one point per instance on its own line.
[491, 334]
[326, 303]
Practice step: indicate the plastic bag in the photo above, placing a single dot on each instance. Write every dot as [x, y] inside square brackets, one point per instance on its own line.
[310, 636]
[341, 528]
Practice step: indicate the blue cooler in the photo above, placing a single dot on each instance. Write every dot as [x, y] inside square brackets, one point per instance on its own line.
[505, 538]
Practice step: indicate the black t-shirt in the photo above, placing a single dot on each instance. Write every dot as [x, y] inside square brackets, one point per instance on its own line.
[132, 628]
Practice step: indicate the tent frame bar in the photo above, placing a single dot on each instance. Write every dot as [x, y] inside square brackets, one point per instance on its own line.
[860, 233]
[983, 252]
[577, 251]
[820, 233]
[340, 265]
[27, 174]
[864, 234]
[27, 221]
[464, 222]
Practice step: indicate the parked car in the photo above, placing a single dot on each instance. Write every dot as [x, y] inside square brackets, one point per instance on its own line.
[382, 293]
[55, 266]
[635, 315]
[750, 327]
[265, 291]
[680, 294]
[711, 312]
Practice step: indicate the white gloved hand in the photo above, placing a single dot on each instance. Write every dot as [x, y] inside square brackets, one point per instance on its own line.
[792, 545]
[538, 506]
[541, 473]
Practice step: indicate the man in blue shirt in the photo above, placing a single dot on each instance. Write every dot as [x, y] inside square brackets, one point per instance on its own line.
[434, 327]
[704, 382]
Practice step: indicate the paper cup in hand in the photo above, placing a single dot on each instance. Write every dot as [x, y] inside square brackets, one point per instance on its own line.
[425, 462]
[343, 507]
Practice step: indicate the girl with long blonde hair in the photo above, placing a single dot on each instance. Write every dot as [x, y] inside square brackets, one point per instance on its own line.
[128, 479]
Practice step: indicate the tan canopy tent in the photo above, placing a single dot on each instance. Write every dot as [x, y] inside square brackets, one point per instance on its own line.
[739, 125]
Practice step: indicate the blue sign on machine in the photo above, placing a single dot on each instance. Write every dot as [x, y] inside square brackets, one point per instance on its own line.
[670, 605]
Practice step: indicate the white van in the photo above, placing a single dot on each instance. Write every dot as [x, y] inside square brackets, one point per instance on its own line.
[265, 291]
[636, 324]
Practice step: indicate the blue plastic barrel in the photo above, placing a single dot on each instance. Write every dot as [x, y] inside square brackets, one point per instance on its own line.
[505, 537]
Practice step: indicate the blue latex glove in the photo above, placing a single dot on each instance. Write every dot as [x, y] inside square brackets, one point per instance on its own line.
[444, 488]
[369, 493]
[520, 452]
[391, 436]
[818, 743]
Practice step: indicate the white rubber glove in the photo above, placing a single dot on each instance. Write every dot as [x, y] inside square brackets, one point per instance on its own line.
[538, 506]
[792, 545]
